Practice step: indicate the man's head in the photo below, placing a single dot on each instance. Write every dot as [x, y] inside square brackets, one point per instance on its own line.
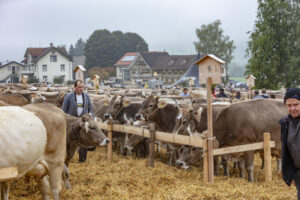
[78, 86]
[256, 92]
[185, 90]
[221, 90]
[264, 91]
[292, 101]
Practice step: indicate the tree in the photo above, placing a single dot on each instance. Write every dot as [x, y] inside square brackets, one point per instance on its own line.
[212, 40]
[78, 50]
[273, 44]
[104, 48]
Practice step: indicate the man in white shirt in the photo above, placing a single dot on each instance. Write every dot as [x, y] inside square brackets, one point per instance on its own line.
[76, 104]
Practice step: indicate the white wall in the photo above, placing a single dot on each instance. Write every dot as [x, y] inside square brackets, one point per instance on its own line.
[53, 68]
[4, 72]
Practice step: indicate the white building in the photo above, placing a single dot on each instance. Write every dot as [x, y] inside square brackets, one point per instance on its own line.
[48, 63]
[10, 72]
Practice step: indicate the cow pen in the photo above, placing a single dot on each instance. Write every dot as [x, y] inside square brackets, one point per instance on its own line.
[194, 141]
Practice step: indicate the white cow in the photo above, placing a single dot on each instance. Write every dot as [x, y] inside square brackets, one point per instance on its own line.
[23, 139]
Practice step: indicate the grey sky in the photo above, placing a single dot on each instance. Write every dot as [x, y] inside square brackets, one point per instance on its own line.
[165, 24]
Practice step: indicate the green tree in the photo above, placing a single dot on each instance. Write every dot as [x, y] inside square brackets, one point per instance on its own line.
[105, 48]
[273, 43]
[212, 40]
[78, 50]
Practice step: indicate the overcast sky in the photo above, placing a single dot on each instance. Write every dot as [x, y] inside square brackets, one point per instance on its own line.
[164, 24]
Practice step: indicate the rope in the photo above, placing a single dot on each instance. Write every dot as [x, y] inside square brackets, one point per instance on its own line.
[151, 113]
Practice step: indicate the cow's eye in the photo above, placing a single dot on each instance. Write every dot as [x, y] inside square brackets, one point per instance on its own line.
[151, 105]
[193, 148]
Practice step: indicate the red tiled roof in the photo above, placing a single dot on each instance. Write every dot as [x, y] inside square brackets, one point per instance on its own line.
[36, 51]
[125, 63]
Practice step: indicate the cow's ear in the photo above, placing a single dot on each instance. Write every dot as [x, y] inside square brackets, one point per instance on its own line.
[126, 103]
[161, 104]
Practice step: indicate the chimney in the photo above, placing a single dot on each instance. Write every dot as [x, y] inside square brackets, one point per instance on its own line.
[51, 44]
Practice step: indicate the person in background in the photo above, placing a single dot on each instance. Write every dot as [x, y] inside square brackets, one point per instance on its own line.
[222, 94]
[76, 104]
[256, 95]
[290, 139]
[237, 95]
[264, 94]
[185, 93]
[272, 96]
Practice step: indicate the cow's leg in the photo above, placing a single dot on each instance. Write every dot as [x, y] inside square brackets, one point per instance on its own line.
[225, 166]
[55, 176]
[44, 187]
[278, 164]
[262, 160]
[67, 175]
[216, 165]
[249, 164]
[235, 165]
[4, 190]
[241, 165]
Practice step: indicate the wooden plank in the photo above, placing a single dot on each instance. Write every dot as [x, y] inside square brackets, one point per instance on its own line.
[151, 145]
[210, 132]
[267, 158]
[161, 136]
[7, 174]
[241, 148]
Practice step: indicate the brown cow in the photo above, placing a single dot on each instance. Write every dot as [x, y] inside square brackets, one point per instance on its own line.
[13, 99]
[245, 122]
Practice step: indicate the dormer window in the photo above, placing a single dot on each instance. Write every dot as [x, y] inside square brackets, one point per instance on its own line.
[53, 58]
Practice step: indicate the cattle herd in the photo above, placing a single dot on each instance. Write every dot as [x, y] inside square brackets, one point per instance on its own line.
[40, 139]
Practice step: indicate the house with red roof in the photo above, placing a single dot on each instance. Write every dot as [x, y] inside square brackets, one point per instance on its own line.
[48, 63]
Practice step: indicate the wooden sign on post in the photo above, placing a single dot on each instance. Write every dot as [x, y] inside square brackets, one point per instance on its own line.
[250, 83]
[210, 71]
[96, 82]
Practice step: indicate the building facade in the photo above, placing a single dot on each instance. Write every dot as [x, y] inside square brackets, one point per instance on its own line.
[144, 66]
[47, 63]
[10, 72]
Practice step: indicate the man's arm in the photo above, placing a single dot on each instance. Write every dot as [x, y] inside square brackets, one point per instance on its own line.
[90, 107]
[65, 106]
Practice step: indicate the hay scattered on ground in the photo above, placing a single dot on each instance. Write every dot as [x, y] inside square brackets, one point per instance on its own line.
[129, 178]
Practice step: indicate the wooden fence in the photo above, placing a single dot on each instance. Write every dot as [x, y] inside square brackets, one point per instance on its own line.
[194, 141]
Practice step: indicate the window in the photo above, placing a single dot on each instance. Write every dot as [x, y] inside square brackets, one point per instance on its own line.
[45, 78]
[53, 58]
[62, 68]
[44, 68]
[9, 68]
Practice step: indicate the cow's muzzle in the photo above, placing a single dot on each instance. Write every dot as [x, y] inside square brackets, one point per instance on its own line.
[107, 116]
[182, 164]
[104, 142]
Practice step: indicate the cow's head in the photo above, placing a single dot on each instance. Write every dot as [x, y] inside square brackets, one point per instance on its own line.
[185, 122]
[114, 107]
[132, 140]
[90, 134]
[151, 106]
[189, 156]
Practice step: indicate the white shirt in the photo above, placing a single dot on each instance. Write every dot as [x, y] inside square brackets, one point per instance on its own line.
[79, 104]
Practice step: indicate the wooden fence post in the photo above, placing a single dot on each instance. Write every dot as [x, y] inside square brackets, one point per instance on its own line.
[109, 150]
[267, 157]
[151, 145]
[210, 132]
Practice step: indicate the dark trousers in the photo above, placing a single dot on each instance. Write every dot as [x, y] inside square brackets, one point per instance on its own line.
[83, 153]
[297, 182]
